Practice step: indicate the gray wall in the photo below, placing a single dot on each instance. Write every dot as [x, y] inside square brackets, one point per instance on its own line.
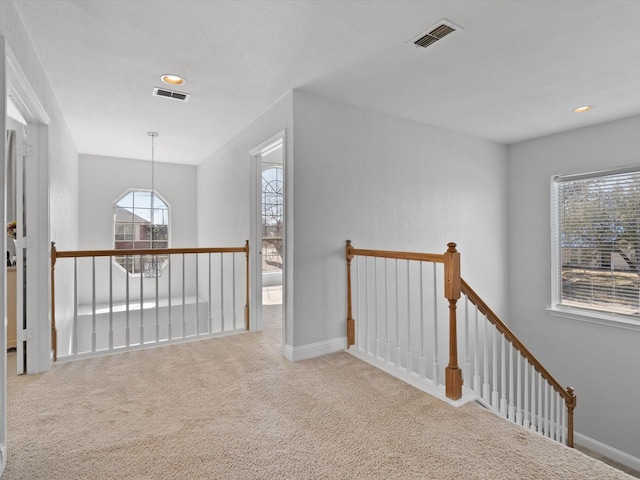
[601, 362]
[63, 167]
[104, 179]
[388, 183]
[224, 189]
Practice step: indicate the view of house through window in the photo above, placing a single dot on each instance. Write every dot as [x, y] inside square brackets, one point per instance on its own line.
[137, 224]
[597, 241]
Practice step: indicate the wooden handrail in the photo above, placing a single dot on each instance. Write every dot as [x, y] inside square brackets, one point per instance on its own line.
[146, 251]
[55, 254]
[421, 257]
[568, 395]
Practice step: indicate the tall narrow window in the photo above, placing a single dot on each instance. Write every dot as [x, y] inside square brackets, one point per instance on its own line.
[272, 218]
[596, 241]
[137, 224]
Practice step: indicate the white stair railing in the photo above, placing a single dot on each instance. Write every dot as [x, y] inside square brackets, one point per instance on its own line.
[398, 320]
[174, 295]
[508, 379]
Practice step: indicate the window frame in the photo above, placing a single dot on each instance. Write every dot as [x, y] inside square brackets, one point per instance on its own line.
[114, 224]
[575, 312]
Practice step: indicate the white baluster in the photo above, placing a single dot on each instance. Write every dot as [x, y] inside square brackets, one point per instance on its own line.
[398, 349]
[156, 267]
[534, 422]
[409, 353]
[169, 331]
[519, 406]
[423, 363]
[564, 424]
[209, 297]
[184, 313]
[233, 277]
[526, 423]
[512, 380]
[366, 305]
[494, 345]
[387, 346]
[466, 367]
[74, 341]
[358, 309]
[141, 302]
[110, 303]
[486, 388]
[127, 306]
[197, 319]
[547, 413]
[376, 309]
[93, 304]
[222, 321]
[434, 365]
[476, 356]
[503, 378]
[540, 422]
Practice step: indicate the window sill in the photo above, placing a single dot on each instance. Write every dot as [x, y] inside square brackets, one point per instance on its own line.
[611, 320]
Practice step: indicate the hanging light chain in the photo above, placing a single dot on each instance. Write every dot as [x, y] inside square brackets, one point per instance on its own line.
[153, 136]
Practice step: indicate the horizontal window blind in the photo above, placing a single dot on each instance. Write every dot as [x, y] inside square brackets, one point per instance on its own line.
[596, 236]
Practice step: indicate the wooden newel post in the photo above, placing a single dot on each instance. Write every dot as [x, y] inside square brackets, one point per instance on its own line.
[571, 404]
[452, 285]
[246, 303]
[54, 332]
[351, 323]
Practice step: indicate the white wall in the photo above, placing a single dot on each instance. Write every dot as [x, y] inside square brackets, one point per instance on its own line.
[601, 362]
[388, 183]
[104, 179]
[63, 159]
[224, 188]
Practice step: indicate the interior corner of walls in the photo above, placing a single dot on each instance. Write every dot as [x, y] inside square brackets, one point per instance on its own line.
[287, 351]
[317, 349]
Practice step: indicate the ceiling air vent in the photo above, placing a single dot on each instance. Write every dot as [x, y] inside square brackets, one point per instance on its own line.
[439, 31]
[163, 92]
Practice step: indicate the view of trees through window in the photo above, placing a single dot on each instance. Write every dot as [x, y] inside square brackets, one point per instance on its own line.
[272, 219]
[599, 240]
[137, 224]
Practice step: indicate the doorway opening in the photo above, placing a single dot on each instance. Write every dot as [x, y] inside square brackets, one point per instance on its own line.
[268, 234]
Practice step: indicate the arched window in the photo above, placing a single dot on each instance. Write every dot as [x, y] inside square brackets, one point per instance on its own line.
[272, 217]
[139, 224]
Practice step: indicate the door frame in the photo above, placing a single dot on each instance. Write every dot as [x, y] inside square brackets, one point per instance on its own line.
[38, 240]
[255, 227]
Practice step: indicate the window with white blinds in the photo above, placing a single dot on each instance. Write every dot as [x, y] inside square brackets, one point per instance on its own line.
[596, 241]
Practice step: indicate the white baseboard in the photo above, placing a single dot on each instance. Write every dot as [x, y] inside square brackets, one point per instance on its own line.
[609, 452]
[312, 350]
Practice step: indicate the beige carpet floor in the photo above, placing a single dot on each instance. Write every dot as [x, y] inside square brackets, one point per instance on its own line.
[234, 408]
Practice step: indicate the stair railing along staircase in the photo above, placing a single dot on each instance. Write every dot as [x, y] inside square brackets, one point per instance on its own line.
[126, 299]
[397, 298]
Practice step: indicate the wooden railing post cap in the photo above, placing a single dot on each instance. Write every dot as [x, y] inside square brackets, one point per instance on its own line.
[572, 393]
[452, 247]
[348, 242]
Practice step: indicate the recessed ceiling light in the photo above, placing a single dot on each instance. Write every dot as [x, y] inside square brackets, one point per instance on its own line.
[172, 79]
[584, 108]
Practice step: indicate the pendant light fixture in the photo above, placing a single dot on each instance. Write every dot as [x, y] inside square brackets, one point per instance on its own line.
[152, 268]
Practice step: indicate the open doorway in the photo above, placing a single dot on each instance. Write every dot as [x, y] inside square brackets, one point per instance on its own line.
[268, 237]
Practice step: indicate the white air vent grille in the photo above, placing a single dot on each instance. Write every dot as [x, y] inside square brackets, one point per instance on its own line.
[439, 31]
[163, 92]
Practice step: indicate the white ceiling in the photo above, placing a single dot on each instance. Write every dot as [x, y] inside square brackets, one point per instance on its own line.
[516, 69]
